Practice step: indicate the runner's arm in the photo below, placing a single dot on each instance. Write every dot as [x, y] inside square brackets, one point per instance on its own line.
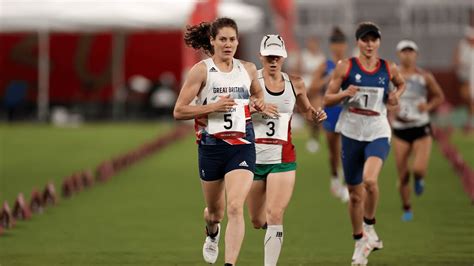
[195, 80]
[334, 95]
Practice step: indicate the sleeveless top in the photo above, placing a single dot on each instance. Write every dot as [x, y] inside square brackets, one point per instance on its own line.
[223, 128]
[364, 116]
[415, 93]
[330, 66]
[466, 58]
[309, 63]
[273, 135]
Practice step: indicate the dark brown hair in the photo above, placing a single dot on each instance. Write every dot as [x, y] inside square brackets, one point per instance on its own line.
[199, 36]
[337, 36]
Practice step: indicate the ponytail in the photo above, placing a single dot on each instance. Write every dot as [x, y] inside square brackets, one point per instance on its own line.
[199, 36]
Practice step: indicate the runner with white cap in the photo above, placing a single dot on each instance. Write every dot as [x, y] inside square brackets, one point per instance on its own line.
[411, 125]
[275, 167]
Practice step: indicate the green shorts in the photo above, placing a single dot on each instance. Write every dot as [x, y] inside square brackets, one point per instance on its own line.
[262, 170]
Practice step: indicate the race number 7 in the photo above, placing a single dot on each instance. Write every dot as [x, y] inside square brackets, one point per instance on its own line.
[366, 99]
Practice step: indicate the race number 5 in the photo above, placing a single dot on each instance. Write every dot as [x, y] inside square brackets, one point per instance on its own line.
[231, 124]
[227, 119]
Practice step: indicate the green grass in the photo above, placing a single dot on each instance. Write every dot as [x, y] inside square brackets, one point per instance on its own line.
[151, 214]
[32, 155]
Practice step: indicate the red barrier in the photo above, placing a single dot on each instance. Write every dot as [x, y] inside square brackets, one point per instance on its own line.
[36, 202]
[460, 166]
[6, 218]
[21, 210]
[77, 182]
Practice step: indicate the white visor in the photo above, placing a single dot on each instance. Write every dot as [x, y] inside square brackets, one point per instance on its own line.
[273, 44]
[404, 44]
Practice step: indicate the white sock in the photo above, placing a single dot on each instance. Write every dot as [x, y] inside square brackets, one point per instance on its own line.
[272, 244]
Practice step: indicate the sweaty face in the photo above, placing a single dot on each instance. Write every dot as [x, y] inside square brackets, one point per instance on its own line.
[407, 57]
[272, 64]
[225, 43]
[368, 45]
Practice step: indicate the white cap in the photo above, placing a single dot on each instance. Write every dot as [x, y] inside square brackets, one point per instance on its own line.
[404, 44]
[273, 44]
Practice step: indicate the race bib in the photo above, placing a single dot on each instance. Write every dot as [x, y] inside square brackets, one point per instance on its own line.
[270, 130]
[409, 109]
[367, 99]
[228, 125]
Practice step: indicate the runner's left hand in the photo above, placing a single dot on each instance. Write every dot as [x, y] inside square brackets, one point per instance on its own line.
[258, 104]
[393, 98]
[270, 110]
[319, 115]
[423, 107]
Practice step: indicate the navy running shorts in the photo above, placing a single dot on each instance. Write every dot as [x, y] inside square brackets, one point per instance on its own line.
[333, 115]
[217, 160]
[355, 153]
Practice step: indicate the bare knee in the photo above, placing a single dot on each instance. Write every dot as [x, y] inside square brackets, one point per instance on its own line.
[371, 185]
[235, 210]
[355, 198]
[275, 215]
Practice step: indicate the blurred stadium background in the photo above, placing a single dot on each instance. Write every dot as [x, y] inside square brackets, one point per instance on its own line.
[84, 82]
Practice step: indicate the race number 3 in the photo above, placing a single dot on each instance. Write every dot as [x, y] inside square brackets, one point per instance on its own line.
[271, 127]
[271, 130]
[409, 109]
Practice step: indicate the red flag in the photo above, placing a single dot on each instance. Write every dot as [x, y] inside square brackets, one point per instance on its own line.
[285, 19]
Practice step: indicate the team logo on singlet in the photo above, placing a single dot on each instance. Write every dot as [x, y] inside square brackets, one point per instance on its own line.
[358, 78]
[382, 80]
[213, 69]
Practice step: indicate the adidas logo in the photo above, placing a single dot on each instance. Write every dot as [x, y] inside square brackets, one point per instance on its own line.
[212, 69]
[244, 163]
[279, 234]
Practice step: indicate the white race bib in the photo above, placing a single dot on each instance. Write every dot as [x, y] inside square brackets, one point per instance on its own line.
[228, 125]
[368, 98]
[271, 130]
[409, 109]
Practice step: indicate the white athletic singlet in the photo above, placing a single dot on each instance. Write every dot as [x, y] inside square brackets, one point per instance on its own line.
[415, 93]
[233, 127]
[310, 62]
[273, 135]
[364, 116]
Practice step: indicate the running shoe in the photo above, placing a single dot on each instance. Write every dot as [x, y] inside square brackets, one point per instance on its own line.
[419, 186]
[374, 240]
[361, 252]
[210, 250]
[312, 146]
[407, 216]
